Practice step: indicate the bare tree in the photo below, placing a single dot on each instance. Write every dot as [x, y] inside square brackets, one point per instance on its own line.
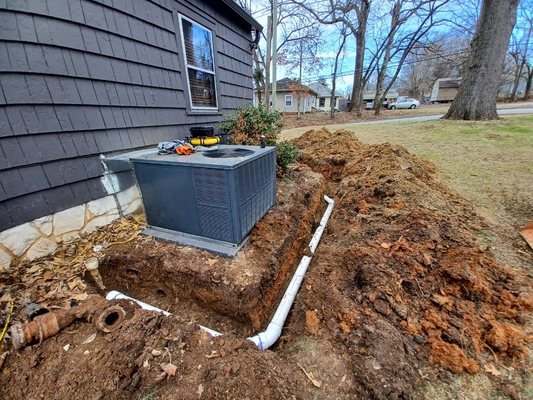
[476, 98]
[443, 57]
[343, 37]
[529, 78]
[294, 25]
[411, 23]
[353, 14]
[520, 43]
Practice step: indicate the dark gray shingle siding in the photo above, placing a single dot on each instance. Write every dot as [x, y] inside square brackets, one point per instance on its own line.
[80, 78]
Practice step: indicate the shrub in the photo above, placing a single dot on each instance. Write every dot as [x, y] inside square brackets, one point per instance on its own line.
[248, 123]
[286, 153]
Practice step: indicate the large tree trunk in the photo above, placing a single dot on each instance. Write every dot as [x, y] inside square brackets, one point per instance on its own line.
[378, 99]
[476, 98]
[334, 80]
[528, 82]
[360, 43]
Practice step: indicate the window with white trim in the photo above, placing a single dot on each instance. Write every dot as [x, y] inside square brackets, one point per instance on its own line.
[288, 100]
[200, 64]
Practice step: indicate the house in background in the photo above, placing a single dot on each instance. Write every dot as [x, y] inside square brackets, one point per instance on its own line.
[369, 96]
[323, 100]
[444, 90]
[81, 81]
[287, 99]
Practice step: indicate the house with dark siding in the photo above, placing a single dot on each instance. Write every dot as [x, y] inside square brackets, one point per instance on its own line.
[83, 81]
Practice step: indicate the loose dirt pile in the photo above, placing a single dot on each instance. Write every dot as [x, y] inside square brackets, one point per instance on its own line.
[398, 292]
[149, 357]
[400, 258]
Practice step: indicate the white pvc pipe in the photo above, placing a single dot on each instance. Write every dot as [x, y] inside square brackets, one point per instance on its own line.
[271, 334]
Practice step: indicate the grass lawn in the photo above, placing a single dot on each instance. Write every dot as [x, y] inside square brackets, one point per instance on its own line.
[491, 165]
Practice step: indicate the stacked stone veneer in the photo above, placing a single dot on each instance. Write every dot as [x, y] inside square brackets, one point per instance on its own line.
[41, 237]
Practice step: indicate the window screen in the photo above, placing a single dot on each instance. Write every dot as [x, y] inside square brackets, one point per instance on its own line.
[322, 102]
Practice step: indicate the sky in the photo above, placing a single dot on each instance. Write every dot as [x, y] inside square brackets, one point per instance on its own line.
[346, 67]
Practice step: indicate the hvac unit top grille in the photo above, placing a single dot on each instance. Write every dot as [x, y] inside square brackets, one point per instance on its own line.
[219, 197]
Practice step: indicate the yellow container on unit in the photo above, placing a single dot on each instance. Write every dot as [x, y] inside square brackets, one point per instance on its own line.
[207, 141]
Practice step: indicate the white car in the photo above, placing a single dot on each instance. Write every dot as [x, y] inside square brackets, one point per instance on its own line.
[405, 102]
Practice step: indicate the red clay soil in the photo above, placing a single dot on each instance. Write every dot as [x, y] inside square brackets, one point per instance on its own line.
[399, 291]
[401, 252]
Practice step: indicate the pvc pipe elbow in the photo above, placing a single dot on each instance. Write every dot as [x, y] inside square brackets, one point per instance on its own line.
[268, 337]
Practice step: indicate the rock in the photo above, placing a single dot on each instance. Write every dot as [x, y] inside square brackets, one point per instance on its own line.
[44, 224]
[102, 206]
[382, 307]
[420, 339]
[125, 197]
[69, 237]
[5, 260]
[97, 222]
[41, 248]
[401, 310]
[19, 239]
[69, 220]
[312, 322]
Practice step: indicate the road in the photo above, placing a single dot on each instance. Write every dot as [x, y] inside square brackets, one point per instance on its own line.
[525, 108]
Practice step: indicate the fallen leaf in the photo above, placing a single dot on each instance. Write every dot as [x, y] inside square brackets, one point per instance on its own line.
[156, 353]
[89, 339]
[146, 364]
[490, 368]
[66, 347]
[386, 245]
[212, 261]
[310, 376]
[170, 369]
[200, 390]
[80, 296]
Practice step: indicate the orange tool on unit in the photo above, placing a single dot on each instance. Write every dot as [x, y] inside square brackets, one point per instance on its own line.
[184, 150]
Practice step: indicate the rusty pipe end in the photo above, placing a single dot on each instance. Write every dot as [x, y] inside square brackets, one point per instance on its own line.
[18, 338]
[110, 319]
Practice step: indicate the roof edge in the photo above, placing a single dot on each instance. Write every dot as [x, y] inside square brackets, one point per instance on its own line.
[243, 14]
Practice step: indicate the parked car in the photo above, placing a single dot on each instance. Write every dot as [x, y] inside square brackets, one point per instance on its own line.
[370, 105]
[405, 102]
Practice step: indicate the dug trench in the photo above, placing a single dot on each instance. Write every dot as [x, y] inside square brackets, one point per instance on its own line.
[399, 293]
[235, 295]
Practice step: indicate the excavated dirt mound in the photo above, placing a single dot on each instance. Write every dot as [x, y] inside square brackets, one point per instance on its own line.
[399, 292]
[401, 259]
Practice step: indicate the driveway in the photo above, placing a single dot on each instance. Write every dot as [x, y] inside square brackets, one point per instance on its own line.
[504, 109]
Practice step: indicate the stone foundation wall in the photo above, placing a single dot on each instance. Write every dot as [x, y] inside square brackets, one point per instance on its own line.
[42, 236]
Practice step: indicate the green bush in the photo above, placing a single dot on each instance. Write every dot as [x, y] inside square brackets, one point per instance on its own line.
[248, 123]
[286, 153]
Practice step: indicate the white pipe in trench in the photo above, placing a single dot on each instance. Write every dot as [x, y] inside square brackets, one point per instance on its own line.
[272, 333]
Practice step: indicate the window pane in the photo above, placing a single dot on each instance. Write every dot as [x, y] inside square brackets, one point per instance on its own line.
[197, 45]
[202, 88]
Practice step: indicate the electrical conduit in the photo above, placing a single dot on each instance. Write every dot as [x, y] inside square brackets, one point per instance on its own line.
[272, 333]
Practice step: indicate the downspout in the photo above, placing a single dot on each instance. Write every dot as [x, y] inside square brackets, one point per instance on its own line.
[271, 334]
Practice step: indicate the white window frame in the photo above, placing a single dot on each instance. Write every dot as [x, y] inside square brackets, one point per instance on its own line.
[288, 96]
[187, 66]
